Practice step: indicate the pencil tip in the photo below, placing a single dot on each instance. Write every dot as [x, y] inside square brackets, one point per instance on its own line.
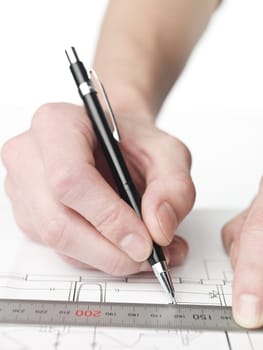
[173, 300]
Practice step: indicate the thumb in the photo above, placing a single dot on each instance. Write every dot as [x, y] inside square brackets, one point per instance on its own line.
[248, 277]
[170, 192]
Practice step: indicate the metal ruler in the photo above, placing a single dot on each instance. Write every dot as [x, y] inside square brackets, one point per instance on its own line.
[152, 316]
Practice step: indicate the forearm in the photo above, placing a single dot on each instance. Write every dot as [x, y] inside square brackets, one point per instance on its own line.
[143, 47]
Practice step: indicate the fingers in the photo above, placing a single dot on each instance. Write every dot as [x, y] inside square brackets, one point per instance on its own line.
[72, 236]
[176, 252]
[67, 154]
[170, 193]
[57, 226]
[49, 221]
[175, 255]
[60, 197]
[248, 270]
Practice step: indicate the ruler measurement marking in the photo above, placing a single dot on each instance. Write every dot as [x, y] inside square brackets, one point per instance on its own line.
[132, 315]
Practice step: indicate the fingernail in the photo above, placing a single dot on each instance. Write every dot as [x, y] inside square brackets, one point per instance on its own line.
[167, 220]
[136, 246]
[248, 311]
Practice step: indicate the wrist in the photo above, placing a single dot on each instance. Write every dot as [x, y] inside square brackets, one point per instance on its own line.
[128, 100]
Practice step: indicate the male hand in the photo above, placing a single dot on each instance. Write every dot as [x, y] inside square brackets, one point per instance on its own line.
[243, 240]
[63, 195]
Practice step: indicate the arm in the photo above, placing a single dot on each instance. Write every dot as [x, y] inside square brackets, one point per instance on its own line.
[143, 47]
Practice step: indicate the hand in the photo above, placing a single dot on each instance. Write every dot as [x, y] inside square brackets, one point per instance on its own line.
[61, 190]
[243, 240]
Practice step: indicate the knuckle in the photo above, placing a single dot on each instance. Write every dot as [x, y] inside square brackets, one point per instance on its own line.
[62, 180]
[43, 113]
[186, 186]
[107, 218]
[187, 154]
[50, 113]
[10, 151]
[173, 143]
[54, 234]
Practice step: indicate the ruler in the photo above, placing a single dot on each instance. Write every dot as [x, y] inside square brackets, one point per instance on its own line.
[129, 315]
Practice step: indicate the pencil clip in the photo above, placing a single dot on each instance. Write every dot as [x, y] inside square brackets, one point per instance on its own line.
[115, 130]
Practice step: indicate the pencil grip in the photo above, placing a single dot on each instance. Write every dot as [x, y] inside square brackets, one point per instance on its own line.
[157, 255]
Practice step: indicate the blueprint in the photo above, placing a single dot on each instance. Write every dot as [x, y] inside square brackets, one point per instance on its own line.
[205, 279]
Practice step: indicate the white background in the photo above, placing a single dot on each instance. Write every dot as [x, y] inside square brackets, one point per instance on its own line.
[216, 107]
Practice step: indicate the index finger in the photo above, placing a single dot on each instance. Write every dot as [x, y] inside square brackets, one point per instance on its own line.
[66, 143]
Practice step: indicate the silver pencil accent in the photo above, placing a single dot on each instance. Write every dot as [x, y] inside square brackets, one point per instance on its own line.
[162, 273]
